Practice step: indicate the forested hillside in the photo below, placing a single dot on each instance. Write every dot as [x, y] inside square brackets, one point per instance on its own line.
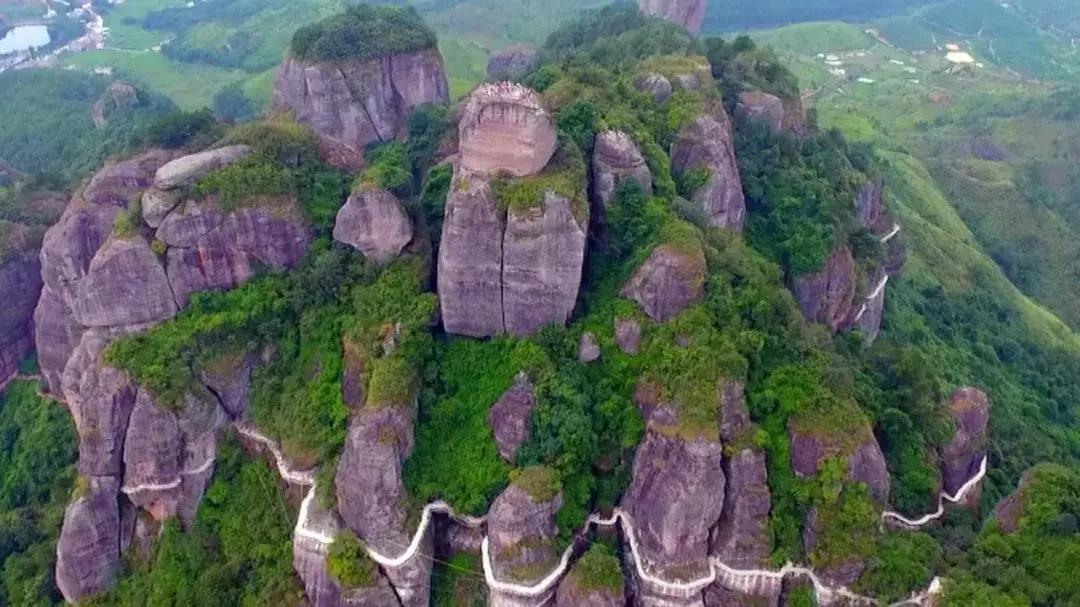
[784, 320]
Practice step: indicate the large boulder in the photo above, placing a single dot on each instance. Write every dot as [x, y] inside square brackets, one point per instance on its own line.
[671, 280]
[707, 145]
[522, 532]
[88, 551]
[655, 85]
[512, 62]
[351, 104]
[763, 107]
[509, 417]
[687, 13]
[828, 295]
[504, 127]
[188, 170]
[374, 222]
[961, 458]
[616, 160]
[596, 580]
[543, 258]
[118, 96]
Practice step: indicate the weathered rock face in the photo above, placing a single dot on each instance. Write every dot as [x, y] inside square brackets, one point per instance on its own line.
[512, 62]
[961, 458]
[675, 498]
[687, 13]
[670, 281]
[870, 208]
[371, 491]
[20, 282]
[503, 272]
[757, 105]
[125, 285]
[509, 417]
[1009, 510]
[71, 245]
[505, 128]
[374, 222]
[470, 259]
[865, 461]
[355, 103]
[209, 249]
[742, 538]
[521, 537]
[827, 297]
[656, 86]
[707, 144]
[88, 552]
[101, 405]
[616, 160]
[543, 257]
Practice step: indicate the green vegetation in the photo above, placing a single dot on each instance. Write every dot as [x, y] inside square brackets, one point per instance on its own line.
[238, 552]
[540, 482]
[37, 457]
[48, 127]
[598, 569]
[565, 176]
[363, 32]
[348, 562]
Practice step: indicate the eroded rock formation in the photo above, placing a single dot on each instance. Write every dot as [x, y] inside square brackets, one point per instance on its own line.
[510, 415]
[707, 146]
[350, 104]
[374, 222]
[512, 62]
[504, 127]
[687, 13]
[865, 463]
[20, 282]
[615, 160]
[507, 272]
[961, 458]
[88, 551]
[671, 280]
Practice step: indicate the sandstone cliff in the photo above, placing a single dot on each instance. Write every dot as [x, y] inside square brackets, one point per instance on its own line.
[20, 282]
[687, 13]
[707, 145]
[350, 104]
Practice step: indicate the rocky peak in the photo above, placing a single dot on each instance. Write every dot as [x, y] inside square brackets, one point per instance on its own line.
[615, 160]
[504, 127]
[707, 145]
[512, 62]
[353, 103]
[687, 13]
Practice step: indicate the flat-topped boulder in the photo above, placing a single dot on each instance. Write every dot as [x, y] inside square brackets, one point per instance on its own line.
[187, 170]
[355, 86]
[504, 127]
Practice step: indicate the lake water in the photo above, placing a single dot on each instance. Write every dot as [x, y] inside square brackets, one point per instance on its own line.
[24, 37]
